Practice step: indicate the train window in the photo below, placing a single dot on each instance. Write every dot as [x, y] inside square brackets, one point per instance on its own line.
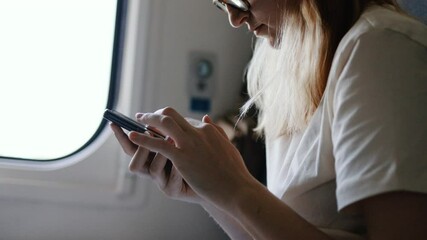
[58, 62]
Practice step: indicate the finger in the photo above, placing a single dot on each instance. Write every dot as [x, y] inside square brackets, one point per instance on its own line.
[180, 120]
[194, 122]
[175, 176]
[169, 112]
[207, 119]
[157, 169]
[156, 145]
[174, 184]
[164, 124]
[128, 147]
[140, 161]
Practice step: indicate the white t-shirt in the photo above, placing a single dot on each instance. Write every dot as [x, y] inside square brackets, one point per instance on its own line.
[369, 133]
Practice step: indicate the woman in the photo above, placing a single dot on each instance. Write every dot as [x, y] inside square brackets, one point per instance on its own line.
[341, 88]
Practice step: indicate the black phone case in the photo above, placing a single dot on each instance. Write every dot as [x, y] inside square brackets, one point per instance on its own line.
[128, 123]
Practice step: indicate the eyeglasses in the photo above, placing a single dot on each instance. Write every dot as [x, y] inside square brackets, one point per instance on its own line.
[239, 4]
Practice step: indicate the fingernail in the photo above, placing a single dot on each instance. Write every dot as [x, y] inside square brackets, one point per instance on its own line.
[206, 118]
[133, 136]
[139, 115]
[169, 140]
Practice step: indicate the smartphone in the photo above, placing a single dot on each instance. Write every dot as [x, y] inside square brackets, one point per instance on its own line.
[129, 124]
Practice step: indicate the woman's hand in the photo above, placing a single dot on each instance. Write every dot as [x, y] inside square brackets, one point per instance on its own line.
[157, 167]
[202, 154]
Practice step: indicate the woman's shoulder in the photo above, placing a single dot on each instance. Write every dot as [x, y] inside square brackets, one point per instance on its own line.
[381, 20]
[380, 30]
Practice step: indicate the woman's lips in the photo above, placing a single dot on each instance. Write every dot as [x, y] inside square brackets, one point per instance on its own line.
[253, 28]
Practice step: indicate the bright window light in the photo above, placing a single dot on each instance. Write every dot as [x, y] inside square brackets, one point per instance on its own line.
[55, 67]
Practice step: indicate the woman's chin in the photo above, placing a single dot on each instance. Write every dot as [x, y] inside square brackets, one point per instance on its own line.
[270, 38]
[274, 43]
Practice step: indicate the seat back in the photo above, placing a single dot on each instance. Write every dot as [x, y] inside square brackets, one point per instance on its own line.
[417, 8]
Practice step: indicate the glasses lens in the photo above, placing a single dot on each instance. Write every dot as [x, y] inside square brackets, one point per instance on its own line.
[239, 4]
[222, 6]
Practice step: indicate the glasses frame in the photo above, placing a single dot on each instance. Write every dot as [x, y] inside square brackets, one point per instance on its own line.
[239, 4]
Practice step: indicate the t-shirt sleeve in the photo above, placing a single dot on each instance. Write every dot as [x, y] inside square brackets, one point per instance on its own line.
[379, 129]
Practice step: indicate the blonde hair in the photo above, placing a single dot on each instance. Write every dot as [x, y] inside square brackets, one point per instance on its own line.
[287, 82]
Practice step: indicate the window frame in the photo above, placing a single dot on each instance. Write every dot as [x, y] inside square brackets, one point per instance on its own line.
[98, 174]
[115, 76]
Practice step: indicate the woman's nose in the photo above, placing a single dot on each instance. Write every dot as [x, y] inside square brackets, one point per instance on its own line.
[236, 17]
